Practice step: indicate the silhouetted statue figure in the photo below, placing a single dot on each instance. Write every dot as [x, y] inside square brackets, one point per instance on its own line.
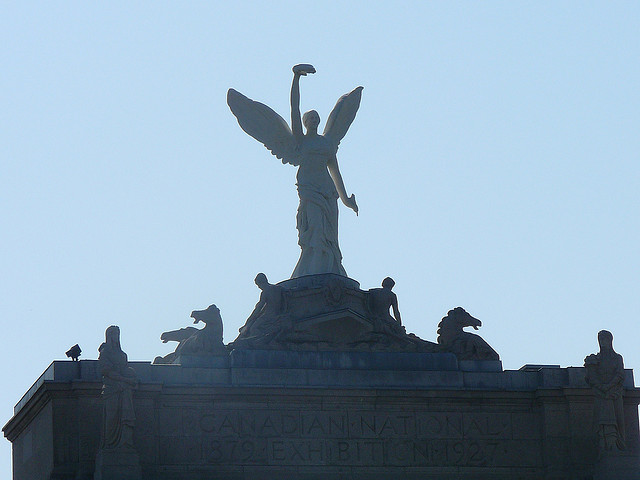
[118, 382]
[466, 345]
[319, 180]
[196, 341]
[207, 340]
[605, 375]
[117, 458]
[381, 300]
[269, 307]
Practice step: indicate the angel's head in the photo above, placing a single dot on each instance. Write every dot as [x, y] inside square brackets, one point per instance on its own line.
[311, 120]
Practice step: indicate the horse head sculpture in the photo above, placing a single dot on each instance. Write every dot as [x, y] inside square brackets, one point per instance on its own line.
[466, 346]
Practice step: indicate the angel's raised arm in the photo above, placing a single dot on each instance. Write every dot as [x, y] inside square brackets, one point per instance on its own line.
[296, 121]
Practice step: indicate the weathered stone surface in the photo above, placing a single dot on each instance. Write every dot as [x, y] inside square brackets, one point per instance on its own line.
[344, 360]
[240, 422]
[117, 465]
[619, 465]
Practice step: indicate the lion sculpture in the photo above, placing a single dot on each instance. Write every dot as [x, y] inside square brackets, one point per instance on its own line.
[465, 345]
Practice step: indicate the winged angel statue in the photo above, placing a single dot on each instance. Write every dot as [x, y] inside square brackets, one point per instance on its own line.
[318, 180]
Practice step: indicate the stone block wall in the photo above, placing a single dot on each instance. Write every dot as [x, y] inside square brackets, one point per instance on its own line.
[244, 422]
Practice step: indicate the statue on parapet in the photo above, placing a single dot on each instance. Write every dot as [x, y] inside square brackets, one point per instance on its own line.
[605, 375]
[319, 180]
[196, 341]
[118, 382]
[465, 345]
[117, 457]
[380, 301]
[267, 320]
[269, 307]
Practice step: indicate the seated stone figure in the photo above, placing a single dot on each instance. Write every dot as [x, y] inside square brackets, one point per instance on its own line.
[194, 341]
[381, 300]
[262, 323]
[466, 346]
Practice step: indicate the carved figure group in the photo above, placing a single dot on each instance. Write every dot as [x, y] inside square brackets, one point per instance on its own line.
[118, 382]
[605, 375]
[304, 319]
[320, 184]
[319, 180]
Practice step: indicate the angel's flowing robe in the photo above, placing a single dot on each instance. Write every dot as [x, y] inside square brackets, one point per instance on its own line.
[317, 218]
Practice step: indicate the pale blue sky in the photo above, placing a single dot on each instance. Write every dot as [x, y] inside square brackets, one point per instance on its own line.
[494, 160]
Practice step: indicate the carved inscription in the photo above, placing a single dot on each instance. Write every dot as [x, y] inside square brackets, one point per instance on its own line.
[404, 438]
[353, 452]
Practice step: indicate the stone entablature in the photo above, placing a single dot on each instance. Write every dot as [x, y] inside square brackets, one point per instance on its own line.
[353, 418]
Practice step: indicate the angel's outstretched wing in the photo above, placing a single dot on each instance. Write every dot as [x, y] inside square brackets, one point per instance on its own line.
[265, 125]
[342, 115]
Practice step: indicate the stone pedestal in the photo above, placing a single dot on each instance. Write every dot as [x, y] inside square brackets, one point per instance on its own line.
[328, 312]
[117, 464]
